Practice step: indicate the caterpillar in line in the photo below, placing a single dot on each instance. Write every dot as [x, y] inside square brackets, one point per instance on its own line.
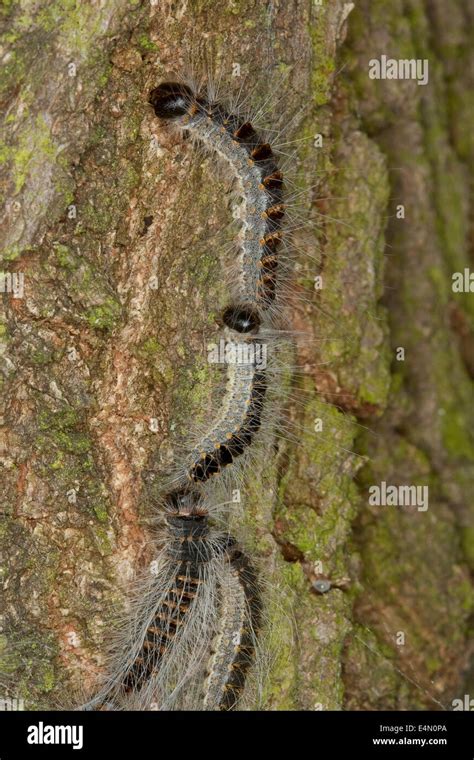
[260, 185]
[193, 637]
[192, 633]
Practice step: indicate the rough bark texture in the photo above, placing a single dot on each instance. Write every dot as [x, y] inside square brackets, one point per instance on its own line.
[100, 206]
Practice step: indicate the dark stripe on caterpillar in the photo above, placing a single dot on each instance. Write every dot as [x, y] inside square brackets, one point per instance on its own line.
[163, 628]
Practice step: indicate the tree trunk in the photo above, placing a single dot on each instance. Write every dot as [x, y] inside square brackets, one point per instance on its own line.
[105, 222]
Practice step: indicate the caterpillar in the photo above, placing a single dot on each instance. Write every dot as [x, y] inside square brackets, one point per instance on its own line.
[235, 427]
[234, 646]
[261, 187]
[202, 575]
[189, 548]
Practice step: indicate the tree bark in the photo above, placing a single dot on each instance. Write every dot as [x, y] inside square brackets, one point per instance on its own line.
[107, 219]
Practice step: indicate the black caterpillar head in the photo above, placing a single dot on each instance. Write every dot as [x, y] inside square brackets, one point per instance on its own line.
[183, 501]
[171, 100]
[243, 319]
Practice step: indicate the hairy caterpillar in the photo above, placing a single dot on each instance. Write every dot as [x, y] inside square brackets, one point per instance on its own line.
[202, 574]
[235, 427]
[234, 646]
[188, 545]
[261, 187]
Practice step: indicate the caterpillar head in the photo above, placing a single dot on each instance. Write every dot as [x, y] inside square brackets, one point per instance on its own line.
[184, 501]
[243, 318]
[171, 100]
